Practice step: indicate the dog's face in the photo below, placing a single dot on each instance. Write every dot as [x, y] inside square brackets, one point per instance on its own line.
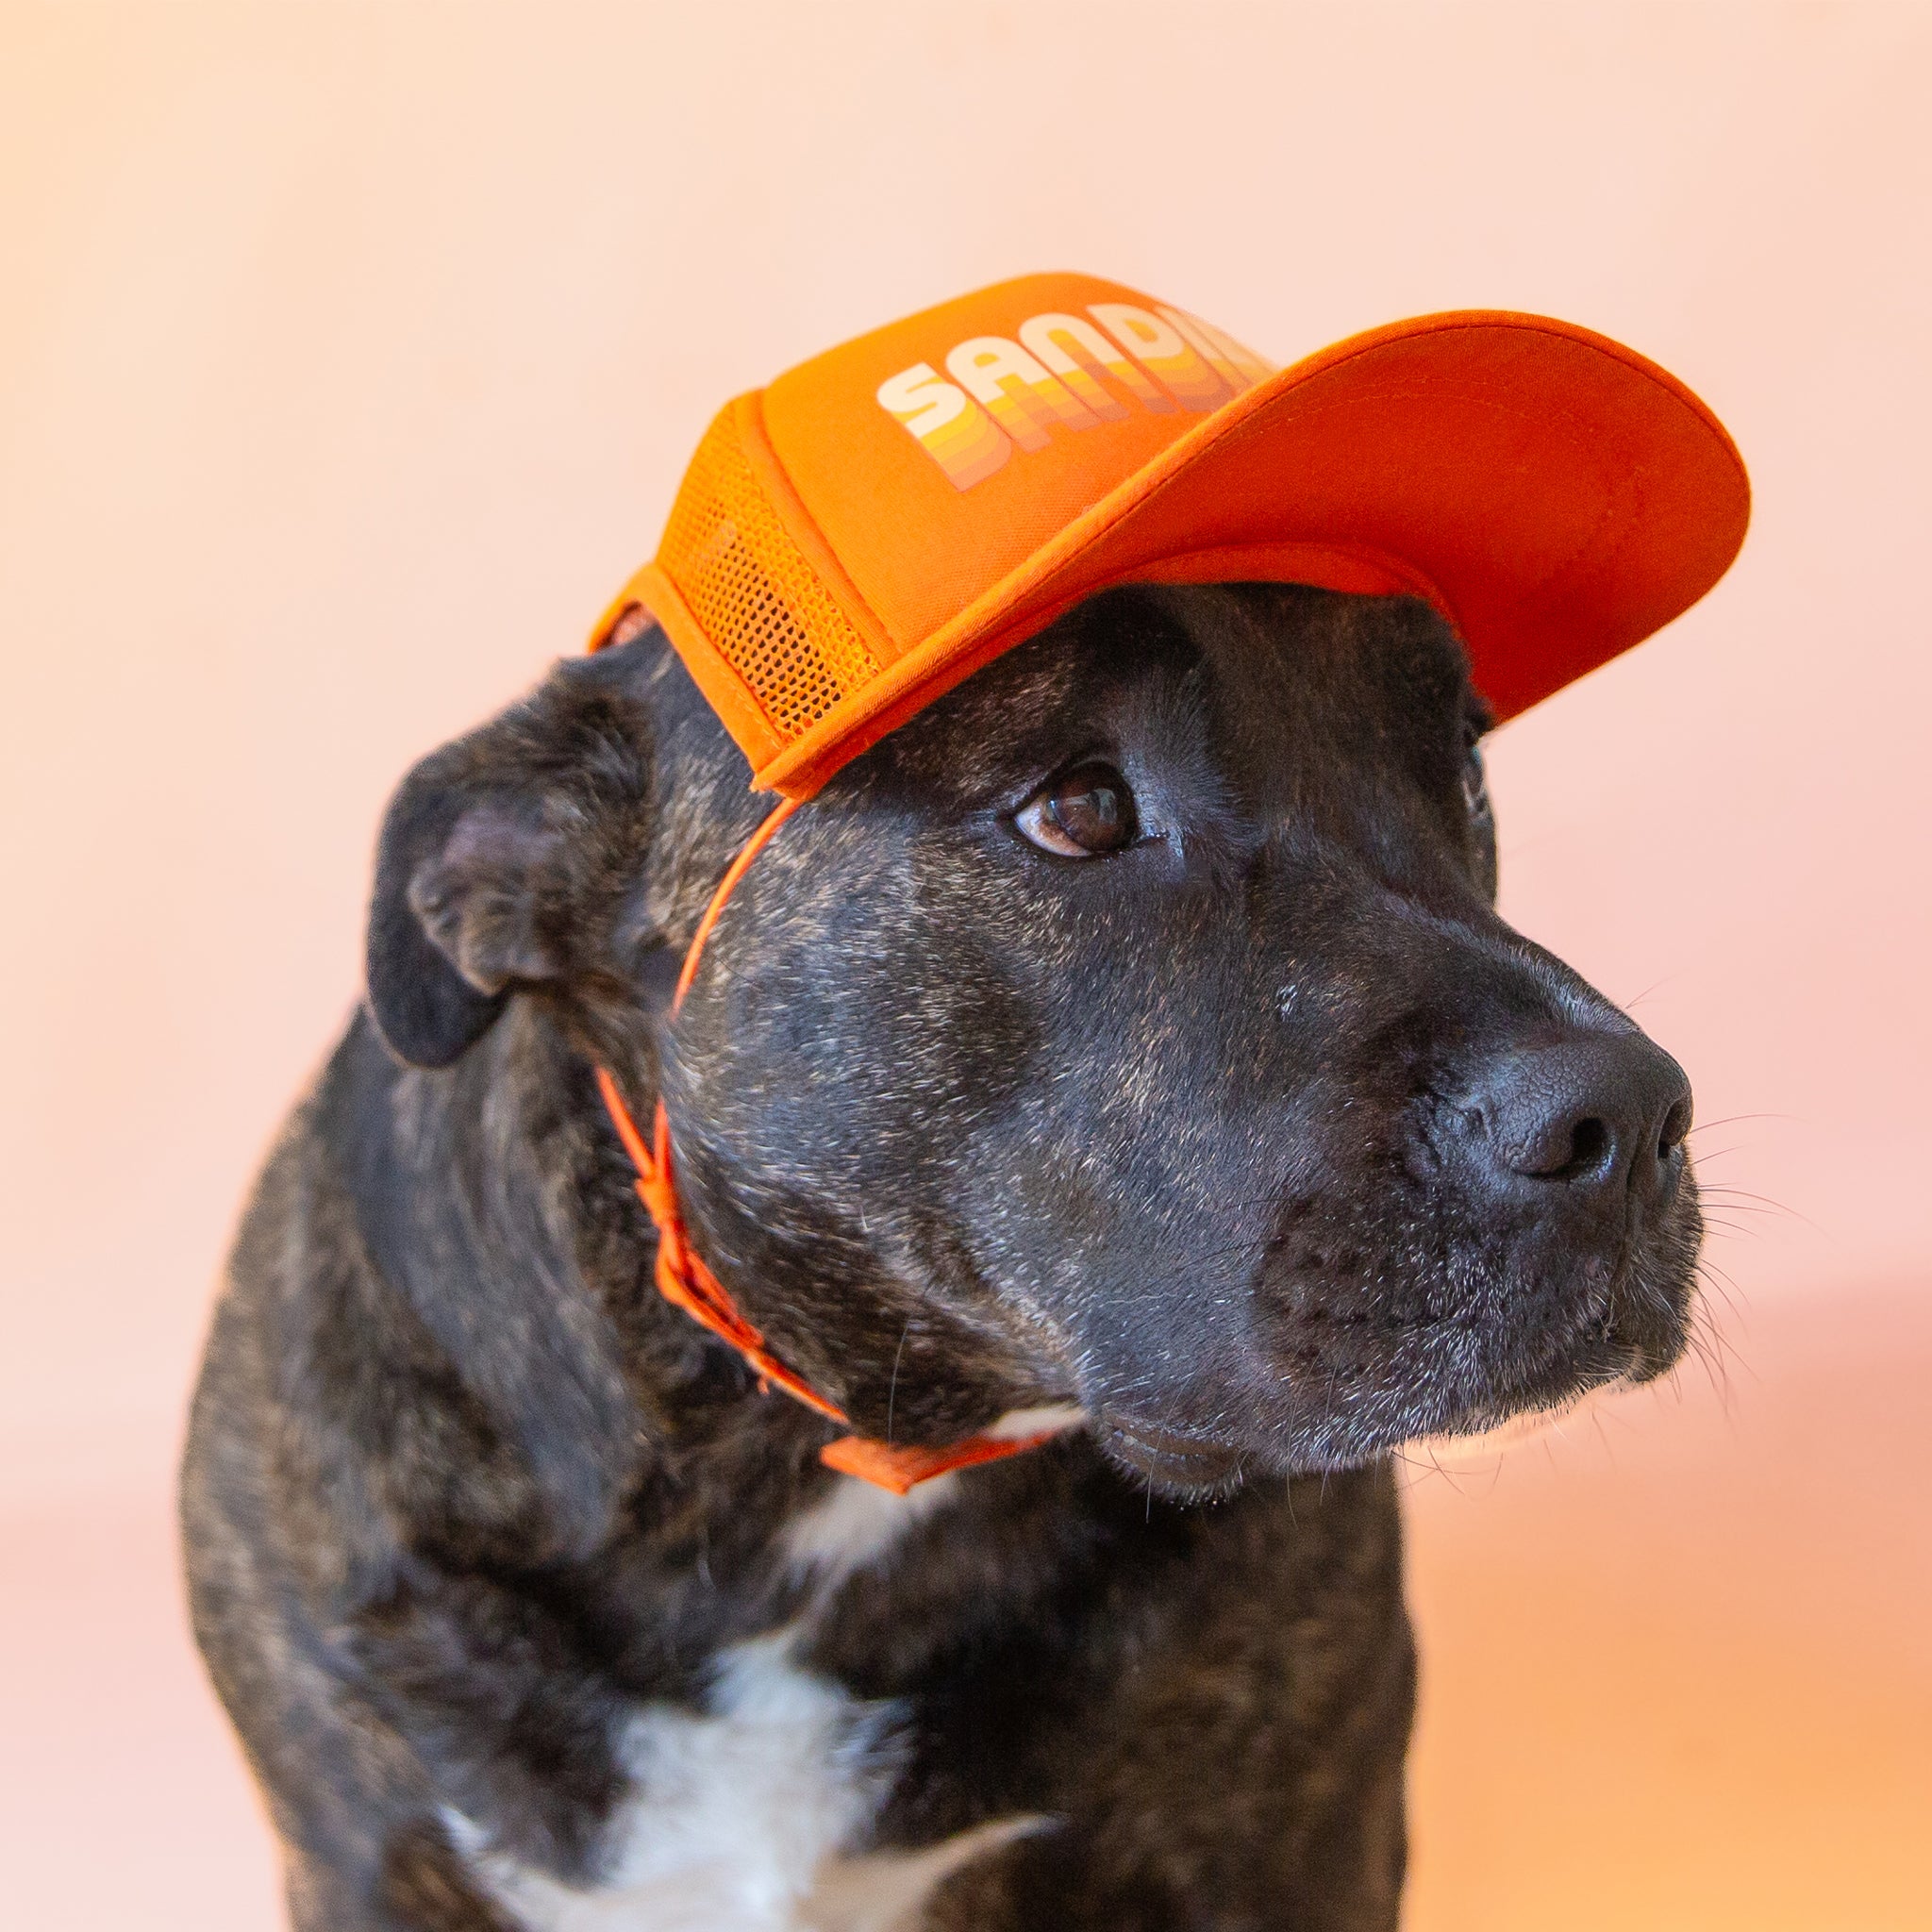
[1133, 1028]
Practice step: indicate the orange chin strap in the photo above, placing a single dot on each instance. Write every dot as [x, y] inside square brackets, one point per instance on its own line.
[683, 1280]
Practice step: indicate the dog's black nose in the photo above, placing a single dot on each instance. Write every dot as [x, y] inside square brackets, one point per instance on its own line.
[1597, 1111]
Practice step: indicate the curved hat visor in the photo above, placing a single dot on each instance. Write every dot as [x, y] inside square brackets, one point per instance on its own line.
[859, 537]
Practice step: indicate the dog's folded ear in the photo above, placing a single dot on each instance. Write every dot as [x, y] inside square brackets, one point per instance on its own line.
[510, 860]
[457, 915]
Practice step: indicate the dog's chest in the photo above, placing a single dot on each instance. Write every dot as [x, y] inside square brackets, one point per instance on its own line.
[731, 1813]
[739, 1817]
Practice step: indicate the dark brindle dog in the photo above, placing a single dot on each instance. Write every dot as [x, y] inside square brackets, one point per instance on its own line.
[1128, 1036]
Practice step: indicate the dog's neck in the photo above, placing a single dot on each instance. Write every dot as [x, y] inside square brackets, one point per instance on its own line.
[495, 1202]
[687, 1283]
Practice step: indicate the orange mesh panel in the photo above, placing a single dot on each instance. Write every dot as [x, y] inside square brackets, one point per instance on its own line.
[756, 598]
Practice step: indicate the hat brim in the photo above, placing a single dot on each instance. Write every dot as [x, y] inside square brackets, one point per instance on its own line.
[1554, 495]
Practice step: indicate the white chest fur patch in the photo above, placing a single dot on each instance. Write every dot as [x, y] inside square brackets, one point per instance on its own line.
[731, 1812]
[737, 1816]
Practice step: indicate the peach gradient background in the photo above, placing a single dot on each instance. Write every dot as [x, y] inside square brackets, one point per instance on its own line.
[348, 358]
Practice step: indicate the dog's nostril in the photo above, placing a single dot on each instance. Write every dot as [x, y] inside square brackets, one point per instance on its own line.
[1590, 1141]
[1573, 1150]
[1675, 1127]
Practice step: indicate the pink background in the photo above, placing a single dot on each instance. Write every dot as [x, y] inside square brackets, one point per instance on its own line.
[348, 358]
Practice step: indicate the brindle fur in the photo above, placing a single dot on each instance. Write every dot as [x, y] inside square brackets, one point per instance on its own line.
[1178, 1135]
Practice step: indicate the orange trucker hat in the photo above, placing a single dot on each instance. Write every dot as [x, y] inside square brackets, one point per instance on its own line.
[885, 518]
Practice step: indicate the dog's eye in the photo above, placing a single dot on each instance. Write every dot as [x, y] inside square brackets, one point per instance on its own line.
[1475, 784]
[1086, 814]
[1477, 720]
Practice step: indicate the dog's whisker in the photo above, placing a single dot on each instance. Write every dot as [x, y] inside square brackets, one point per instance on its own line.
[1765, 1204]
[892, 1388]
[1733, 1119]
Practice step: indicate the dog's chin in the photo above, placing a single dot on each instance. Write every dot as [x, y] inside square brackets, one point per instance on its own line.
[1182, 1463]
[1481, 1439]
[1535, 1380]
[1521, 1414]
[1178, 1465]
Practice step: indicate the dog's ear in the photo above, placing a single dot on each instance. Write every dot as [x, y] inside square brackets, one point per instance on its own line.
[457, 918]
[504, 856]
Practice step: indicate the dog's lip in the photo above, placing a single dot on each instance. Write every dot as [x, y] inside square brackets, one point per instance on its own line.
[1566, 1381]
[1176, 1457]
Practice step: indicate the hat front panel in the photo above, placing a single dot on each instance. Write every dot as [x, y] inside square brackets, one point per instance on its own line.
[938, 455]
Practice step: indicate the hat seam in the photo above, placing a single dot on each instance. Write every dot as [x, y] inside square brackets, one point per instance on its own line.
[803, 528]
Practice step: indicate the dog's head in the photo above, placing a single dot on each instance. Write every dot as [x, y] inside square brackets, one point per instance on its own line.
[1131, 1028]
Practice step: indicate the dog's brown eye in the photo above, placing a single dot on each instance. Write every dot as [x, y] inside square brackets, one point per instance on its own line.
[1086, 814]
[1477, 721]
[1476, 785]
